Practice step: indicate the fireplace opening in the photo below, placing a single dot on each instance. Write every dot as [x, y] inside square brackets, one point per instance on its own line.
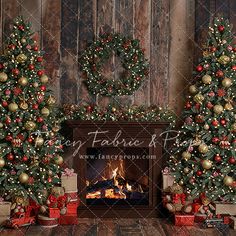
[117, 176]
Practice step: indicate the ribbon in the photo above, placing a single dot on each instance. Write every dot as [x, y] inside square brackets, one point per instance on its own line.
[1, 199]
[68, 172]
[52, 201]
[178, 197]
[166, 170]
[61, 201]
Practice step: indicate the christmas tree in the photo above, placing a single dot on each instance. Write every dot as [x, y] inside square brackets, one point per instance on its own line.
[29, 138]
[204, 157]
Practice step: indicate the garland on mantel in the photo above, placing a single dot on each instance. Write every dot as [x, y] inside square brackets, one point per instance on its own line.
[116, 113]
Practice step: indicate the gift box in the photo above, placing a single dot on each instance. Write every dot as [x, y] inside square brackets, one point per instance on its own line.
[47, 222]
[53, 212]
[196, 206]
[72, 208]
[69, 180]
[199, 218]
[5, 211]
[184, 219]
[58, 191]
[225, 208]
[232, 222]
[167, 179]
[226, 219]
[68, 220]
[72, 196]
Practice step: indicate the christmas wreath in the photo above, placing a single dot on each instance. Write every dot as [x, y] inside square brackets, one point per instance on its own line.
[132, 60]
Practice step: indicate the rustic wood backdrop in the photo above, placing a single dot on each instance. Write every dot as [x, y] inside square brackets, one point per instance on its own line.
[171, 32]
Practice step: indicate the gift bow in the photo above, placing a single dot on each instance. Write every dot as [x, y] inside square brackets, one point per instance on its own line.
[68, 172]
[1, 199]
[176, 197]
[166, 170]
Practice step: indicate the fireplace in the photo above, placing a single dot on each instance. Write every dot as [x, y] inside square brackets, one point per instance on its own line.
[118, 166]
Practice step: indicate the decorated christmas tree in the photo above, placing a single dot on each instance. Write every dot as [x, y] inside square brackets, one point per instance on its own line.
[204, 157]
[29, 138]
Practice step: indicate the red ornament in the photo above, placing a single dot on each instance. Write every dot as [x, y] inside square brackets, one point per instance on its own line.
[234, 67]
[213, 49]
[8, 121]
[39, 119]
[221, 28]
[40, 72]
[30, 140]
[197, 106]
[211, 94]
[39, 59]
[10, 157]
[219, 73]
[9, 138]
[199, 68]
[15, 71]
[199, 173]
[18, 120]
[49, 180]
[188, 105]
[43, 88]
[35, 106]
[199, 119]
[21, 27]
[21, 137]
[232, 160]
[221, 92]
[31, 66]
[7, 92]
[17, 91]
[209, 105]
[223, 121]
[217, 158]
[24, 158]
[89, 108]
[214, 122]
[35, 48]
[215, 140]
[234, 49]
[1, 66]
[11, 46]
[4, 103]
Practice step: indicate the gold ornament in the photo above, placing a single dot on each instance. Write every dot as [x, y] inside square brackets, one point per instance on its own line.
[186, 170]
[198, 98]
[233, 127]
[52, 134]
[186, 155]
[206, 126]
[45, 112]
[35, 84]
[206, 79]
[192, 89]
[23, 81]
[1, 125]
[30, 125]
[21, 58]
[23, 40]
[44, 79]
[226, 82]
[203, 148]
[3, 77]
[228, 106]
[51, 100]
[12, 107]
[58, 160]
[206, 164]
[228, 181]
[2, 162]
[181, 182]
[218, 109]
[56, 128]
[224, 59]
[39, 141]
[24, 178]
[113, 109]
[23, 105]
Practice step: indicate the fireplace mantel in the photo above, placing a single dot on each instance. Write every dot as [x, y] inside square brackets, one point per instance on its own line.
[130, 135]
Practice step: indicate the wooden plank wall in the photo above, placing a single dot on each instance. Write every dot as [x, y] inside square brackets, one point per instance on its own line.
[171, 32]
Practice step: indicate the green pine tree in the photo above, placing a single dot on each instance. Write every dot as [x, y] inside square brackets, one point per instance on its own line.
[29, 138]
[204, 157]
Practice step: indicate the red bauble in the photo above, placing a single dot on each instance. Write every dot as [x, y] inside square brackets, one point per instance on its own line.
[89, 108]
[35, 106]
[39, 119]
[4, 103]
[199, 68]
[24, 158]
[214, 122]
[234, 49]
[1, 66]
[232, 160]
[188, 105]
[234, 67]
[30, 140]
[10, 157]
[49, 180]
[211, 94]
[21, 137]
[199, 173]
[197, 106]
[39, 59]
[17, 91]
[43, 88]
[9, 138]
[209, 105]
[18, 120]
[40, 72]
[21, 27]
[8, 121]
[219, 73]
[217, 158]
[31, 66]
[221, 28]
[223, 121]
[213, 49]
[215, 140]
[15, 71]
[35, 48]
[11, 46]
[7, 92]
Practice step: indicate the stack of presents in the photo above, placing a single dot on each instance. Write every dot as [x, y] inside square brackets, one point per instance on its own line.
[60, 206]
[185, 210]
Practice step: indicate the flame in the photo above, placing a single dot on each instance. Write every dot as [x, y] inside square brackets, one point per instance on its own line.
[128, 187]
[96, 194]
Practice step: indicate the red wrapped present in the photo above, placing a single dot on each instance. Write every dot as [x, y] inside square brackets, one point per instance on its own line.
[200, 218]
[53, 212]
[182, 219]
[72, 196]
[226, 219]
[72, 208]
[68, 220]
[196, 206]
[47, 222]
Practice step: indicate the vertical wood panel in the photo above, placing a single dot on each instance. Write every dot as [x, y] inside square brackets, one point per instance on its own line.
[51, 40]
[142, 12]
[1, 27]
[160, 52]
[222, 8]
[232, 17]
[69, 50]
[87, 29]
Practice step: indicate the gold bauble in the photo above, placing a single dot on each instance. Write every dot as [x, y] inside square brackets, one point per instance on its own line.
[12, 107]
[186, 170]
[113, 109]
[3, 77]
[44, 79]
[52, 134]
[24, 178]
[233, 127]
[2, 162]
[228, 106]
[193, 89]
[206, 126]
[226, 82]
[218, 109]
[23, 105]
[224, 59]
[30, 125]
[206, 79]
[56, 128]
[181, 182]
[45, 112]
[21, 58]
[35, 84]
[23, 81]
[51, 101]
[228, 181]
[203, 148]
[23, 40]
[206, 164]
[198, 98]
[58, 160]
[39, 141]
[186, 155]
[1, 125]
